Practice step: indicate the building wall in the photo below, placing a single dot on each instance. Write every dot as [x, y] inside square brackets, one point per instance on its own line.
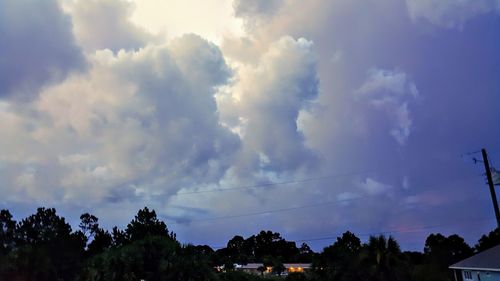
[473, 275]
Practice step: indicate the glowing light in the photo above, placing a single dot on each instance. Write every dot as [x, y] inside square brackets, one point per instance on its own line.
[211, 19]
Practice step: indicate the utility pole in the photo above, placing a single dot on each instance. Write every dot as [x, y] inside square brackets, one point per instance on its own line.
[492, 187]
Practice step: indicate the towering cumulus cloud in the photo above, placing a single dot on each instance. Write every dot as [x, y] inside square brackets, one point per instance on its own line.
[36, 46]
[329, 114]
[264, 104]
[391, 91]
[136, 121]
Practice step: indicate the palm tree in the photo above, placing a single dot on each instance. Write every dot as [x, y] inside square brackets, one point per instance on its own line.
[381, 258]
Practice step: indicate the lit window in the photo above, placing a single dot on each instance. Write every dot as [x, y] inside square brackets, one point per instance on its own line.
[295, 269]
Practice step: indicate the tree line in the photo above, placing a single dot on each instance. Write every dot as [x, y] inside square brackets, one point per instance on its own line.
[43, 246]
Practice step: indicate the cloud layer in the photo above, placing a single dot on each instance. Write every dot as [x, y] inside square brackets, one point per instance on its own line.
[345, 115]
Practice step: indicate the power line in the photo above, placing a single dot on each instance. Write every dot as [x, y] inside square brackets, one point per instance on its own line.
[337, 202]
[332, 203]
[271, 183]
[392, 231]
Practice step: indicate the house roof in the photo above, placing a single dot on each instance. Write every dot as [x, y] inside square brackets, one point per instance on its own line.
[488, 260]
[249, 265]
[303, 265]
[257, 265]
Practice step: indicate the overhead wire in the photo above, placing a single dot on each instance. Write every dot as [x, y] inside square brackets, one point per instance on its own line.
[271, 183]
[319, 204]
[314, 205]
[336, 202]
[385, 232]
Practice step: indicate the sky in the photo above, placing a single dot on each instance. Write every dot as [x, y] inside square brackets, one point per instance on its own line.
[309, 118]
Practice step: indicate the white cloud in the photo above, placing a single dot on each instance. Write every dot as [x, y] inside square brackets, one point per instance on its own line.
[101, 24]
[450, 13]
[373, 187]
[145, 118]
[391, 91]
[404, 122]
[265, 101]
[406, 183]
[211, 19]
[256, 12]
[141, 124]
[381, 81]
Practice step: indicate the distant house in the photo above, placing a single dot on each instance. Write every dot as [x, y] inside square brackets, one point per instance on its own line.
[297, 267]
[253, 268]
[484, 266]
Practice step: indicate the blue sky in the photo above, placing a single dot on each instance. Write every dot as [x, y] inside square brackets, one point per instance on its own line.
[228, 117]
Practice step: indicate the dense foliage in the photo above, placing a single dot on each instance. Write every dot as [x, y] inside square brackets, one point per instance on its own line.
[44, 247]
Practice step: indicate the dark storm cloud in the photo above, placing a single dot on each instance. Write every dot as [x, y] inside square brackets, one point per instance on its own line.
[454, 70]
[37, 46]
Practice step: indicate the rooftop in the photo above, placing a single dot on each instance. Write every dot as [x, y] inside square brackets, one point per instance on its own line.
[488, 260]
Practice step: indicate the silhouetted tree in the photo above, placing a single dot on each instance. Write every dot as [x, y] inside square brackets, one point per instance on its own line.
[146, 224]
[44, 226]
[236, 251]
[382, 260]
[439, 253]
[101, 242]
[47, 249]
[305, 253]
[88, 225]
[488, 241]
[340, 261]
[278, 267]
[152, 258]
[7, 232]
[43, 247]
[119, 237]
[445, 251]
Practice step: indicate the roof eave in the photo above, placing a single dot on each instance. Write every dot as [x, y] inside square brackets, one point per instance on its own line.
[475, 268]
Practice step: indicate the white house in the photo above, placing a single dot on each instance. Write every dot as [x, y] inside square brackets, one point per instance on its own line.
[253, 268]
[484, 266]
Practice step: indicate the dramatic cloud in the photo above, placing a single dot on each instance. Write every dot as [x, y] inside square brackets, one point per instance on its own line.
[105, 24]
[305, 119]
[211, 19]
[264, 104]
[136, 121]
[391, 91]
[37, 46]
